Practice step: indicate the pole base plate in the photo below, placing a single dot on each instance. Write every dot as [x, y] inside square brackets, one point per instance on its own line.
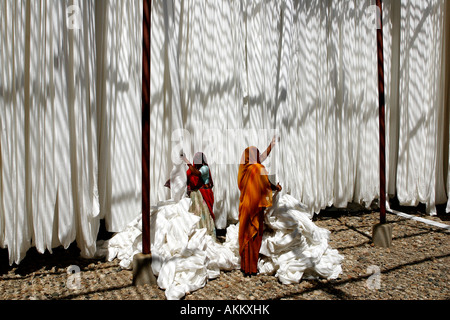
[382, 235]
[142, 270]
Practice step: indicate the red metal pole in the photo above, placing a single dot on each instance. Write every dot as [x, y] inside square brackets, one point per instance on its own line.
[146, 127]
[381, 98]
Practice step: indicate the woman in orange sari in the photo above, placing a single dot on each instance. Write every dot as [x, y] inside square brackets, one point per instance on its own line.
[256, 196]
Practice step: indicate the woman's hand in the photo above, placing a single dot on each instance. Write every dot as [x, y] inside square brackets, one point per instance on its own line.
[279, 188]
[274, 139]
[266, 153]
[186, 160]
[193, 169]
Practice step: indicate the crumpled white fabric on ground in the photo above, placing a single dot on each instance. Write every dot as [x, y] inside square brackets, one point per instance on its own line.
[123, 245]
[185, 257]
[293, 246]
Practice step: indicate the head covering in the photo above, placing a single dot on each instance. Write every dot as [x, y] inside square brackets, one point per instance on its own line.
[200, 158]
[251, 155]
[250, 161]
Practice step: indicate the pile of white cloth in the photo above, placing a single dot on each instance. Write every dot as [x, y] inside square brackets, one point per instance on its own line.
[293, 246]
[184, 257]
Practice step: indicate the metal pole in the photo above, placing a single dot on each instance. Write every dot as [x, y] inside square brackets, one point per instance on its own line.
[381, 99]
[146, 127]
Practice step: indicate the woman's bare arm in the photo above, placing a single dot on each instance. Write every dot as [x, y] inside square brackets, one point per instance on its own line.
[266, 153]
[194, 170]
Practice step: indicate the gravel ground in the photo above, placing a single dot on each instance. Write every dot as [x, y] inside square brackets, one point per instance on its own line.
[416, 267]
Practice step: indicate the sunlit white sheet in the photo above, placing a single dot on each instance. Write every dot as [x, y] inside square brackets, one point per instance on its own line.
[224, 75]
[69, 119]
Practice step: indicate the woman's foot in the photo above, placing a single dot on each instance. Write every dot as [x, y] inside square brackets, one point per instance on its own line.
[250, 274]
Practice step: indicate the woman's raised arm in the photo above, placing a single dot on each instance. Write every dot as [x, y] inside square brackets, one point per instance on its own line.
[266, 153]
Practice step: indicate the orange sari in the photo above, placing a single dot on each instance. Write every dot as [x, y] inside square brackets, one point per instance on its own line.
[256, 195]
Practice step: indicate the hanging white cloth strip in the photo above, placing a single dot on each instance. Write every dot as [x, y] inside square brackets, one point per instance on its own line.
[420, 176]
[70, 148]
[307, 71]
[224, 75]
[446, 93]
[446, 227]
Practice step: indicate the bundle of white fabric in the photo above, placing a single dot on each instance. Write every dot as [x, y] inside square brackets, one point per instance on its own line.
[183, 256]
[293, 246]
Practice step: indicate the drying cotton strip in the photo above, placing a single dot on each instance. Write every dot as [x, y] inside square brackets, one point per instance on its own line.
[427, 221]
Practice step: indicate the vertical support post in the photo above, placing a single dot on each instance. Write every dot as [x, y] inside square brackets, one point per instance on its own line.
[146, 127]
[381, 100]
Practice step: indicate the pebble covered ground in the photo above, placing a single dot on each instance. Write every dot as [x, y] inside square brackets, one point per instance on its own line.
[415, 267]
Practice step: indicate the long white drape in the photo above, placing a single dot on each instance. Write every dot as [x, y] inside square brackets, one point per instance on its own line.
[446, 93]
[70, 88]
[229, 74]
[224, 75]
[420, 175]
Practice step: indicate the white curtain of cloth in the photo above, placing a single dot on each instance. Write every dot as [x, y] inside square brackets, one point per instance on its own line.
[224, 75]
[446, 94]
[70, 86]
[420, 175]
[229, 74]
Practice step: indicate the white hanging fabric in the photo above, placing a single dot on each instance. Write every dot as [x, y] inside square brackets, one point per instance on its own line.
[69, 113]
[446, 92]
[224, 75]
[16, 229]
[420, 176]
[307, 71]
[119, 56]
